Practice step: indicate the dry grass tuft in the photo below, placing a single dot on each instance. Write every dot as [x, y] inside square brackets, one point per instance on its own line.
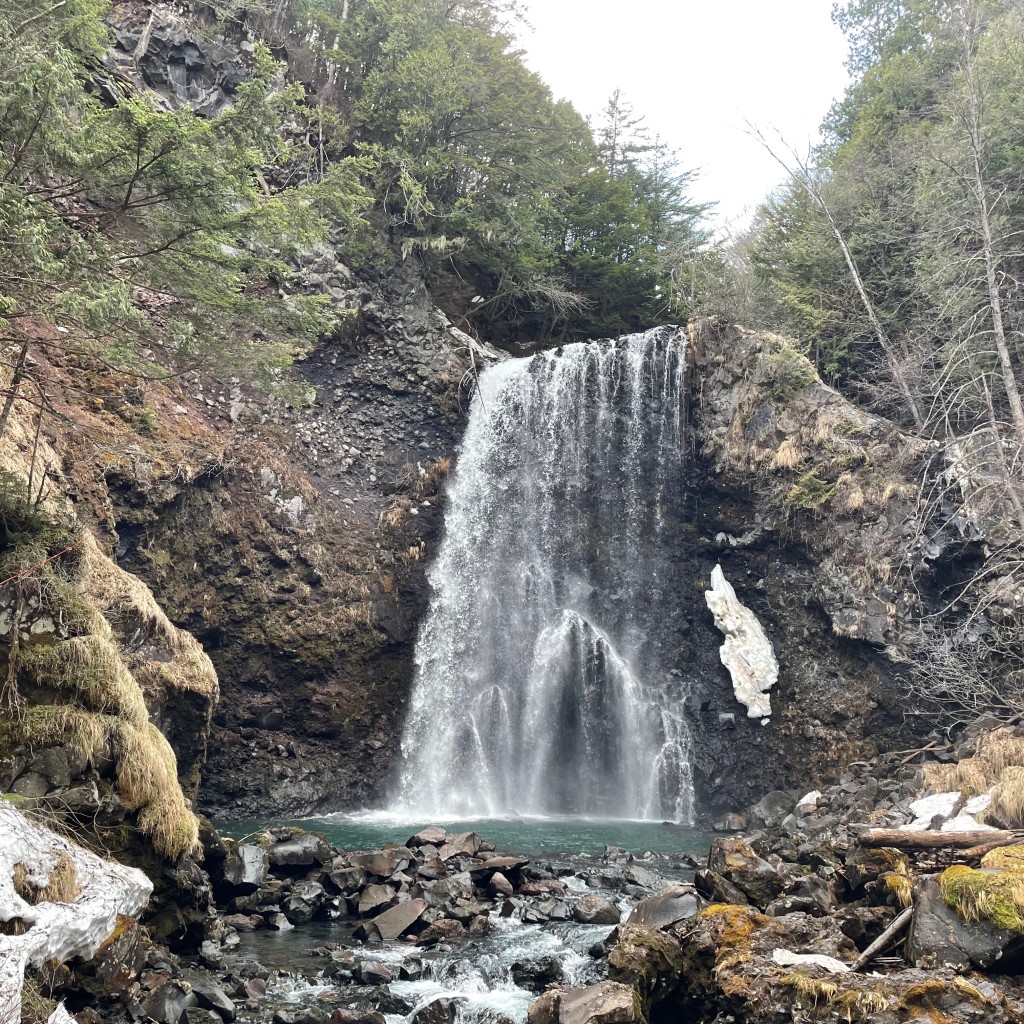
[144, 765]
[61, 884]
[1007, 804]
[998, 751]
[849, 497]
[789, 455]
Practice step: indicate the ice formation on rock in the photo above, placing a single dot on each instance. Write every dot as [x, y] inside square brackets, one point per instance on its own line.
[56, 931]
[747, 652]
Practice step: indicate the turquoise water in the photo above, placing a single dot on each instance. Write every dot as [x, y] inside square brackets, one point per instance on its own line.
[551, 836]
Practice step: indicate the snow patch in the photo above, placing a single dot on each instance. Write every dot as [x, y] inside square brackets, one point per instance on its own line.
[747, 653]
[59, 931]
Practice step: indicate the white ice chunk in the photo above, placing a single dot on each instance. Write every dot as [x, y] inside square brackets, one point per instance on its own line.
[57, 931]
[747, 652]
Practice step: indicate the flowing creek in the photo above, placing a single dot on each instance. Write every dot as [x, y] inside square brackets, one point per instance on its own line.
[490, 978]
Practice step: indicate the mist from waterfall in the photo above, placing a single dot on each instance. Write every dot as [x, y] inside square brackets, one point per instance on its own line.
[539, 689]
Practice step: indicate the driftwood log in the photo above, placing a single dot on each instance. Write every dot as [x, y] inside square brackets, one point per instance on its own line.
[899, 924]
[972, 842]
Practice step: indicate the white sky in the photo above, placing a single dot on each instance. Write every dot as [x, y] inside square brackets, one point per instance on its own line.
[698, 70]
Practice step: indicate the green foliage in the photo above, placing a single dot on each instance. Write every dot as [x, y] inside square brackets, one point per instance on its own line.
[790, 372]
[99, 200]
[810, 492]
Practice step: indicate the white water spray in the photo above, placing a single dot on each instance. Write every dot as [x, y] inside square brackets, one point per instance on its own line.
[539, 689]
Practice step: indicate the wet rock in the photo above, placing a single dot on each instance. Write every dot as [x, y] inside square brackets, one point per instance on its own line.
[500, 885]
[616, 855]
[506, 865]
[649, 961]
[302, 849]
[537, 975]
[594, 909]
[303, 901]
[372, 972]
[939, 937]
[211, 996]
[716, 889]
[375, 898]
[444, 930]
[383, 863]
[245, 867]
[439, 1011]
[347, 1015]
[668, 907]
[168, 1003]
[393, 923]
[542, 887]
[734, 860]
[278, 922]
[244, 922]
[605, 1003]
[479, 926]
[638, 875]
[433, 835]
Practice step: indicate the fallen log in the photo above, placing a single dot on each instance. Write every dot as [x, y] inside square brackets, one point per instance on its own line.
[899, 839]
[899, 924]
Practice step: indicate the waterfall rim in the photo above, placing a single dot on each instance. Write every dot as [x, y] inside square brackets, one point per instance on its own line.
[412, 818]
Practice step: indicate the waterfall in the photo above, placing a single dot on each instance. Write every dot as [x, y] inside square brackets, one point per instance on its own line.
[540, 687]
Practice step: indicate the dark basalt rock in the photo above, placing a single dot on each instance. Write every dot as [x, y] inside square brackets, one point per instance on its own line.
[666, 908]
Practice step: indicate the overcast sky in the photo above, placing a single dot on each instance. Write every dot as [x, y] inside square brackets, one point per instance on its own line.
[698, 70]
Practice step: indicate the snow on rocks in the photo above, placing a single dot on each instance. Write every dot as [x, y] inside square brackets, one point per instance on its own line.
[59, 931]
[747, 653]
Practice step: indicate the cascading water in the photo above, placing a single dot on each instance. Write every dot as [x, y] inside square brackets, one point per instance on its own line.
[539, 688]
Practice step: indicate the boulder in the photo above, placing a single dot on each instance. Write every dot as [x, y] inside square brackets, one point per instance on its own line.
[433, 835]
[771, 808]
[679, 902]
[649, 961]
[393, 923]
[608, 1002]
[939, 937]
[168, 1003]
[211, 996]
[375, 898]
[542, 887]
[545, 1009]
[243, 922]
[444, 930]
[594, 909]
[348, 1015]
[537, 975]
[383, 863]
[506, 865]
[245, 867]
[432, 868]
[500, 885]
[466, 843]
[372, 972]
[344, 877]
[438, 1011]
[716, 889]
[303, 901]
[735, 860]
[302, 849]
[637, 875]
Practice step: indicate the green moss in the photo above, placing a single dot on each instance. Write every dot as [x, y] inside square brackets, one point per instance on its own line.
[985, 895]
[789, 372]
[810, 492]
